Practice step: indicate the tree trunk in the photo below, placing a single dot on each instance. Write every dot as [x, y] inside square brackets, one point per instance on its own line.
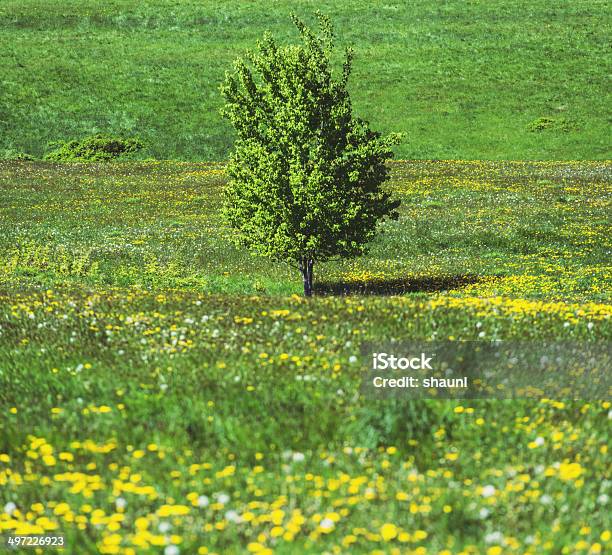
[305, 266]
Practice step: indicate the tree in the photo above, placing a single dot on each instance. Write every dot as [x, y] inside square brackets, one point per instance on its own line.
[305, 175]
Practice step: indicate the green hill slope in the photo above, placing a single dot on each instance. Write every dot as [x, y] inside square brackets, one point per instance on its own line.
[464, 79]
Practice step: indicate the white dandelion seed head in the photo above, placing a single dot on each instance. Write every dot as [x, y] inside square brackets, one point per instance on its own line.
[488, 491]
[494, 537]
[164, 526]
[232, 516]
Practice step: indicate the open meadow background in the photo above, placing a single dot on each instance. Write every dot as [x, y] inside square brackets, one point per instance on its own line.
[465, 79]
[162, 391]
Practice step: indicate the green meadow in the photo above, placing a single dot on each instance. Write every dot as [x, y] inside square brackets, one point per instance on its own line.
[164, 392]
[464, 80]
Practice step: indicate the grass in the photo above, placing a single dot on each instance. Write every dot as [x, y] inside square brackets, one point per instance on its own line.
[464, 80]
[160, 388]
[533, 229]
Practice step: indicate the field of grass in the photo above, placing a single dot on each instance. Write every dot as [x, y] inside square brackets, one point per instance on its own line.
[464, 80]
[162, 391]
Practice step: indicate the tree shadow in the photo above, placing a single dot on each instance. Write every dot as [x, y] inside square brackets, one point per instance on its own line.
[396, 286]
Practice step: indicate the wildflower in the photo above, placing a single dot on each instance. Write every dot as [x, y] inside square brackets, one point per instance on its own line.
[232, 516]
[569, 471]
[173, 510]
[388, 531]
[164, 526]
[494, 537]
[488, 491]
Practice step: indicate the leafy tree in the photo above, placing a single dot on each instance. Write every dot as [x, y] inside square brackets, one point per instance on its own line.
[305, 175]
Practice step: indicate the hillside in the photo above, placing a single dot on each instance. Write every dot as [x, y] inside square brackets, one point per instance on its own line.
[464, 80]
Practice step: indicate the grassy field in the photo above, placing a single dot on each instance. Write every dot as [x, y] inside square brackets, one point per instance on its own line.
[162, 391]
[464, 80]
